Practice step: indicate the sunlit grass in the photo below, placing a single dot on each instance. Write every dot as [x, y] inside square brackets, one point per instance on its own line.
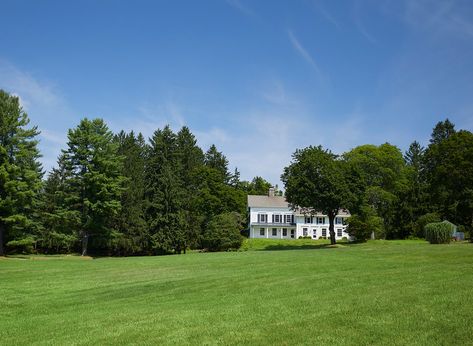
[381, 292]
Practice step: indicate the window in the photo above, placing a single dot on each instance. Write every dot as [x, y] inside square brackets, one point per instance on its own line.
[321, 220]
[262, 218]
[339, 232]
[292, 233]
[275, 232]
[284, 232]
[261, 231]
[307, 219]
[324, 232]
[314, 233]
[288, 218]
[277, 218]
[304, 232]
[338, 220]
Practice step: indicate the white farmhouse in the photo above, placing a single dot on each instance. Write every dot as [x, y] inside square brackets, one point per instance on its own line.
[271, 217]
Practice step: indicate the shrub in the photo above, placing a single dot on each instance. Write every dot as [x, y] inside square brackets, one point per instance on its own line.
[422, 221]
[438, 232]
[362, 226]
[223, 233]
[25, 245]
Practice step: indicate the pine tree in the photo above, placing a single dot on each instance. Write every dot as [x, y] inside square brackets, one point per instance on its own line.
[191, 159]
[20, 171]
[165, 194]
[216, 160]
[131, 235]
[94, 183]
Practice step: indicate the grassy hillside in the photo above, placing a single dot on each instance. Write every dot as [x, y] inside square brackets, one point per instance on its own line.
[374, 293]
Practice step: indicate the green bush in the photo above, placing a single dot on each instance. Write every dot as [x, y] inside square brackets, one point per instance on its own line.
[438, 232]
[223, 233]
[422, 221]
[362, 226]
[25, 245]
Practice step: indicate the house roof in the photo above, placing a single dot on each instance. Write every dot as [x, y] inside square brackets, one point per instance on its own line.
[263, 201]
[267, 201]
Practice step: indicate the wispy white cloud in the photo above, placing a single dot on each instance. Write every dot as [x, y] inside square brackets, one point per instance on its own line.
[302, 51]
[237, 4]
[45, 105]
[327, 15]
[360, 24]
[439, 17]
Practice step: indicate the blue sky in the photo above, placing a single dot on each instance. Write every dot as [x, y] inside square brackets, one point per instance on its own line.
[257, 78]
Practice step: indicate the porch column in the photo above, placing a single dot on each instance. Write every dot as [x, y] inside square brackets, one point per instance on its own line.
[267, 232]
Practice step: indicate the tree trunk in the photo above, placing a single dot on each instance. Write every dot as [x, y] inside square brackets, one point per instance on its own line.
[331, 228]
[2, 231]
[85, 242]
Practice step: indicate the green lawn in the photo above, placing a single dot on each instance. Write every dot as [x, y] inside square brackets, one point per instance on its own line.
[382, 292]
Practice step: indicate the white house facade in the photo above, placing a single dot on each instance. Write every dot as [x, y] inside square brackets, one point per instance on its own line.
[271, 217]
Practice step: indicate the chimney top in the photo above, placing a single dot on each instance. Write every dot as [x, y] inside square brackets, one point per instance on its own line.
[271, 192]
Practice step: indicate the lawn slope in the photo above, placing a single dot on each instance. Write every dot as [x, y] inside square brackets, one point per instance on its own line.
[374, 293]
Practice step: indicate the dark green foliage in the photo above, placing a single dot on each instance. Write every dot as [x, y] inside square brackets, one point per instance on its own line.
[365, 225]
[257, 186]
[216, 160]
[442, 131]
[438, 232]
[165, 194]
[131, 232]
[20, 173]
[223, 232]
[450, 177]
[316, 180]
[422, 221]
[380, 178]
[25, 246]
[93, 182]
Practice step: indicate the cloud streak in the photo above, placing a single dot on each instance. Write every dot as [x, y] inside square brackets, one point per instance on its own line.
[302, 51]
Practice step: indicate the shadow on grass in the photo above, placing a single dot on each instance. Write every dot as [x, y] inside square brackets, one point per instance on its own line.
[303, 247]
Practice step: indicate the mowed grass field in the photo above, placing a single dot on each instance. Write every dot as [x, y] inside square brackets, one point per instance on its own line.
[302, 292]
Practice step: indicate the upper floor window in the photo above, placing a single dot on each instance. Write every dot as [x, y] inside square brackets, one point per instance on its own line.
[277, 218]
[288, 218]
[262, 218]
[308, 219]
[338, 220]
[321, 220]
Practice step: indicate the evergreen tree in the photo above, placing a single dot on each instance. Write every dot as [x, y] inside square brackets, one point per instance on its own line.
[216, 160]
[58, 221]
[441, 131]
[413, 200]
[131, 234]
[190, 160]
[165, 194]
[94, 182]
[20, 172]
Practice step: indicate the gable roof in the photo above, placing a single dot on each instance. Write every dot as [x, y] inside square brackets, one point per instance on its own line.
[267, 201]
[262, 201]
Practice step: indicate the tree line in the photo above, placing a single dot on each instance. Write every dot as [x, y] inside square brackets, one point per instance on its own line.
[119, 194]
[116, 194]
[389, 194]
